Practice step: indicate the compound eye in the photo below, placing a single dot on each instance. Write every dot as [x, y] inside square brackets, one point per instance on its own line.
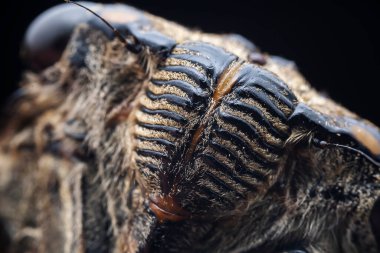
[47, 36]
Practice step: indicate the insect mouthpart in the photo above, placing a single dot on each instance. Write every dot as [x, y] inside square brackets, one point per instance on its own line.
[167, 209]
[175, 140]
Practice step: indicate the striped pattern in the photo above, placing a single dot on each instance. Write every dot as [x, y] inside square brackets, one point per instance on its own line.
[211, 126]
[245, 140]
[172, 107]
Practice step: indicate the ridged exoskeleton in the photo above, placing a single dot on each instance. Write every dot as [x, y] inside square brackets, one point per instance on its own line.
[150, 137]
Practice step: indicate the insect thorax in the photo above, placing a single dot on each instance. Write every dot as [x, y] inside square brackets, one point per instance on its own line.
[197, 142]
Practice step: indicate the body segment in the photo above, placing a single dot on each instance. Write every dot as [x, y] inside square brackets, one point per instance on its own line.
[181, 143]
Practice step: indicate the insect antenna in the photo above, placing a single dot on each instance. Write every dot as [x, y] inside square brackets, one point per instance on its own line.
[327, 144]
[130, 42]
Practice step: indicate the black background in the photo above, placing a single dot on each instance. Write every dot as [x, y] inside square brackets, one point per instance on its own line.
[334, 43]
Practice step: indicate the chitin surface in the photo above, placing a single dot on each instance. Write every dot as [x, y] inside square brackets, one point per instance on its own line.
[176, 140]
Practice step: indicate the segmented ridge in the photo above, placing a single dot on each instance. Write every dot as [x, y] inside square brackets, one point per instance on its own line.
[227, 118]
[246, 135]
[174, 102]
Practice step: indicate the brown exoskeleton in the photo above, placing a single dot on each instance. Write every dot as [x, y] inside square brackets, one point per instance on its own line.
[155, 138]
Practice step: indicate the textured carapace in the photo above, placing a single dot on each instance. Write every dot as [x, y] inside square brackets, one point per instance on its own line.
[165, 139]
[210, 128]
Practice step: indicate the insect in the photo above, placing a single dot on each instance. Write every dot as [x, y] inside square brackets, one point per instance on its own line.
[146, 136]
